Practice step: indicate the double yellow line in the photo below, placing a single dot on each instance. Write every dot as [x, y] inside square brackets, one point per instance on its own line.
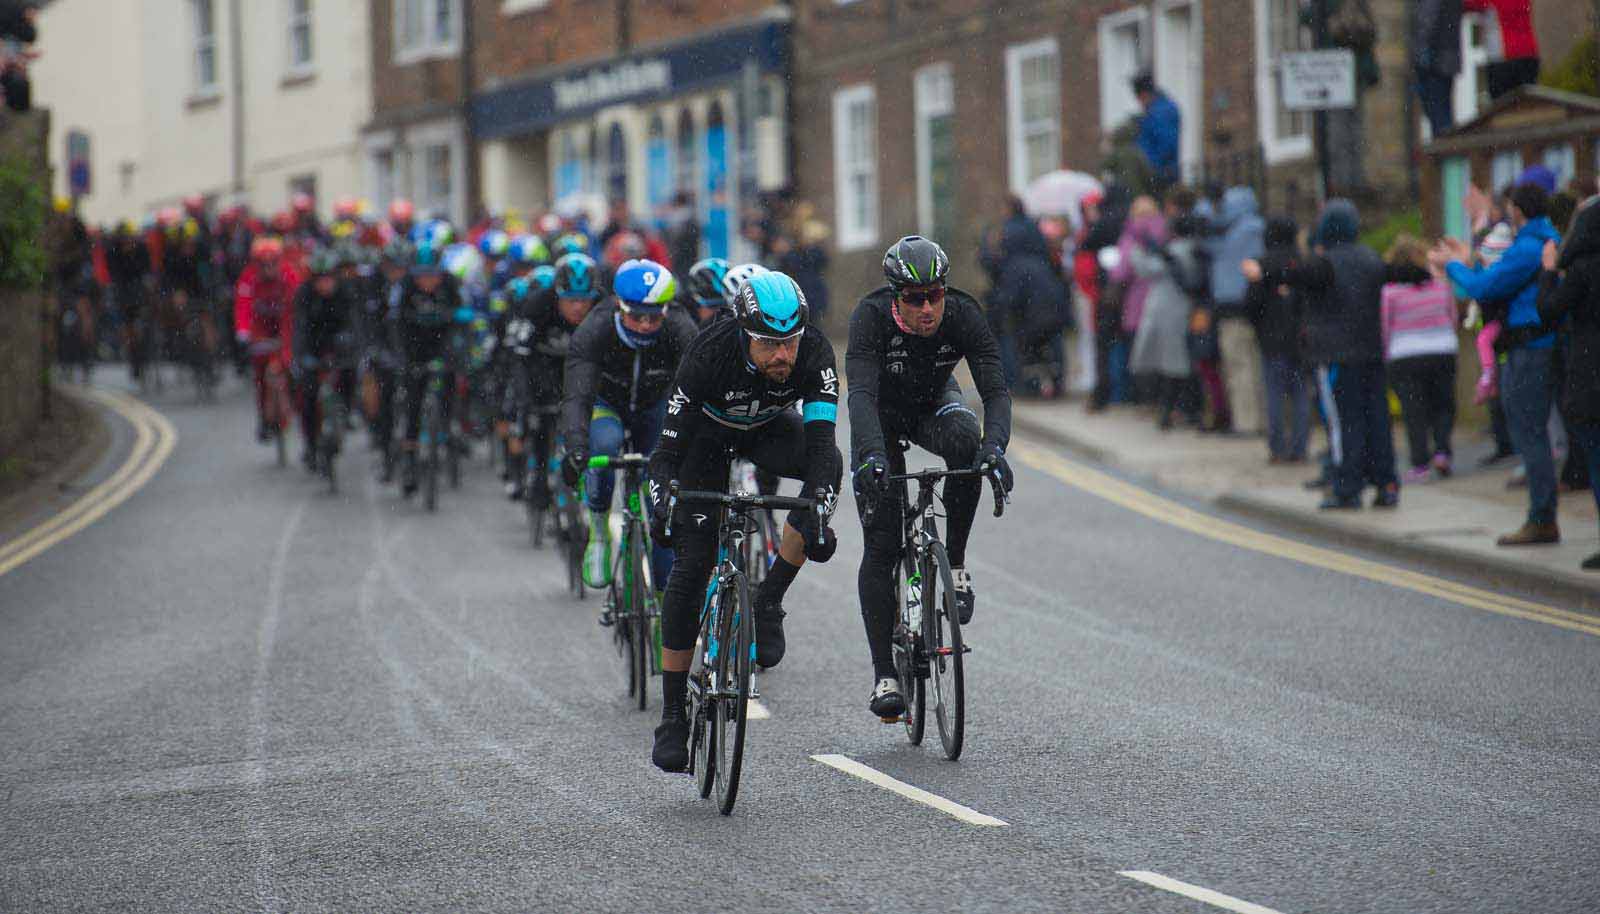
[154, 439]
[1105, 486]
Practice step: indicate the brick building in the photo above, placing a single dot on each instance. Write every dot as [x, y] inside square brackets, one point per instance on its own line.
[923, 116]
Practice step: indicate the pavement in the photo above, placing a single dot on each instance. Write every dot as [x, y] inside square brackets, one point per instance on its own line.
[234, 691]
[1450, 522]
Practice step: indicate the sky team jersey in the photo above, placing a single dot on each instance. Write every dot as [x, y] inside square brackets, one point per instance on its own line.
[717, 383]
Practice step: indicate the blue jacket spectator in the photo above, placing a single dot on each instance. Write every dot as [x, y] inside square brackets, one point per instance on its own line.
[1237, 237]
[1513, 278]
[1159, 129]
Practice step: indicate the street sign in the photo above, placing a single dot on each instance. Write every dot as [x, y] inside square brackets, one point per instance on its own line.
[1318, 80]
[79, 178]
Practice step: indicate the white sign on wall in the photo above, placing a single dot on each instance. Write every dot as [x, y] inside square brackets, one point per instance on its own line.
[1318, 80]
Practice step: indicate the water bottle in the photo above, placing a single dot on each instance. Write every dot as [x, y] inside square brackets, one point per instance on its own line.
[914, 602]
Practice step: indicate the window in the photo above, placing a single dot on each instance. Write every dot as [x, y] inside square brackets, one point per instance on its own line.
[1504, 169]
[384, 180]
[1563, 162]
[1033, 110]
[205, 46]
[1124, 53]
[513, 7]
[687, 152]
[437, 184]
[300, 50]
[855, 165]
[1472, 82]
[1285, 134]
[425, 28]
[616, 164]
[936, 151]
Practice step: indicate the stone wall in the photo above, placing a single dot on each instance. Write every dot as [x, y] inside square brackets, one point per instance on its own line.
[23, 383]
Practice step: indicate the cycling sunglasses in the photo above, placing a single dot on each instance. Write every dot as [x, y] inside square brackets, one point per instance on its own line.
[776, 339]
[917, 299]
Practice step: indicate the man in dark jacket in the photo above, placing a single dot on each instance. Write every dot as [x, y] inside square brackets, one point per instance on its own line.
[17, 24]
[1032, 301]
[1342, 288]
[1436, 58]
[1276, 313]
[1569, 290]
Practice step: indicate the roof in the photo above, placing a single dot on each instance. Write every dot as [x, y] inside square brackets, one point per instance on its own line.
[1527, 114]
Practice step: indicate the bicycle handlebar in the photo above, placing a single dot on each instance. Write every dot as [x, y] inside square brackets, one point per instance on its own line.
[742, 500]
[622, 462]
[932, 475]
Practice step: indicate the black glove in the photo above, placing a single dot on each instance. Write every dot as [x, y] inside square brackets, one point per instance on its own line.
[573, 465]
[991, 459]
[871, 479]
[660, 513]
[820, 541]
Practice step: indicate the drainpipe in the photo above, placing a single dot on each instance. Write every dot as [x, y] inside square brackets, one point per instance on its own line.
[236, 40]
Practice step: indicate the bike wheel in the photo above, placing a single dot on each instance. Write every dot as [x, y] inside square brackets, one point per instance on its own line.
[453, 462]
[431, 422]
[906, 645]
[639, 622]
[942, 638]
[735, 659]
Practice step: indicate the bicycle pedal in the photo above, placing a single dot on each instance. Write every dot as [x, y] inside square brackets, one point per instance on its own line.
[902, 719]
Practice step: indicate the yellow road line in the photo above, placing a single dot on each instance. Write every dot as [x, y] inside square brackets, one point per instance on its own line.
[1127, 495]
[154, 440]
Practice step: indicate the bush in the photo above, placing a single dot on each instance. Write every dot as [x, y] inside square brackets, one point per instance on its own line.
[1579, 71]
[1381, 235]
[22, 208]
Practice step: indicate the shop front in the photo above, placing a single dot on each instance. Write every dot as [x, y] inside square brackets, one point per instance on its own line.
[705, 117]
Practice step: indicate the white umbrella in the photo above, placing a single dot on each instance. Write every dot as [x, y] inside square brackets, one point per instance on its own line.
[1059, 193]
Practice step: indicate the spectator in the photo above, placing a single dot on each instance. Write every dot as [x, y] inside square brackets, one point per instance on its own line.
[1569, 289]
[1086, 292]
[1436, 59]
[1144, 221]
[1238, 237]
[1032, 301]
[1526, 381]
[1493, 234]
[1175, 272]
[1420, 345]
[807, 264]
[18, 27]
[1103, 221]
[1278, 315]
[1343, 287]
[683, 233]
[1513, 47]
[1159, 130]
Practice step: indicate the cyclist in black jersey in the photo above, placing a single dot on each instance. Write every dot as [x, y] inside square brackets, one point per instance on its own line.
[619, 368]
[541, 320]
[765, 387]
[425, 317]
[375, 317]
[324, 326]
[708, 299]
[906, 339]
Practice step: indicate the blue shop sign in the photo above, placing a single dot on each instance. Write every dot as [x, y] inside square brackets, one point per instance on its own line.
[697, 64]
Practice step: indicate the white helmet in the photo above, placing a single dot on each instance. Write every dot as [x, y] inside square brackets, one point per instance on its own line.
[736, 277]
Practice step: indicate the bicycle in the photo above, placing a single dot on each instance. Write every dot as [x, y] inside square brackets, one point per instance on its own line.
[533, 425]
[198, 336]
[720, 674]
[632, 610]
[279, 407]
[761, 546]
[435, 434]
[328, 437]
[927, 637]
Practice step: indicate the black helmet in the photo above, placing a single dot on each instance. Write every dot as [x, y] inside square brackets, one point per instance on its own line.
[705, 282]
[577, 277]
[915, 261]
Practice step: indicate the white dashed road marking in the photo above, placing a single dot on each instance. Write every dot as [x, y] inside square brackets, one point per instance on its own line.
[1197, 892]
[874, 776]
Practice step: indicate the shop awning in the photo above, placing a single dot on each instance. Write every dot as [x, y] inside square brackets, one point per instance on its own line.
[644, 76]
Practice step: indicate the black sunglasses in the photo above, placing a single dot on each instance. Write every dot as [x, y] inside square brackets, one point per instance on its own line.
[918, 299]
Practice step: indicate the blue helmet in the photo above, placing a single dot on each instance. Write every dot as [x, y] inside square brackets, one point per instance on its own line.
[705, 282]
[543, 276]
[771, 305]
[571, 243]
[428, 258]
[577, 277]
[528, 250]
[644, 286]
[494, 243]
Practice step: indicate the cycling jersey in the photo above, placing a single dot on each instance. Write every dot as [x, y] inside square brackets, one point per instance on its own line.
[534, 338]
[896, 371]
[320, 322]
[262, 301]
[720, 394]
[601, 367]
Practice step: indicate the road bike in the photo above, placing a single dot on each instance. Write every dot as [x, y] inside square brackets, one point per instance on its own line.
[435, 442]
[328, 438]
[761, 545]
[279, 406]
[724, 658]
[632, 610]
[198, 344]
[535, 424]
[927, 636]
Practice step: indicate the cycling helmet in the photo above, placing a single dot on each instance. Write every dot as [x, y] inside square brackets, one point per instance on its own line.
[427, 258]
[401, 211]
[194, 205]
[644, 287]
[266, 248]
[737, 276]
[494, 243]
[705, 282]
[529, 250]
[542, 277]
[915, 261]
[324, 262]
[577, 277]
[771, 305]
[571, 243]
[346, 208]
[302, 203]
[168, 216]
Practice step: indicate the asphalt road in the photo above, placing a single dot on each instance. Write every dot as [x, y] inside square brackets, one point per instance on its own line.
[235, 692]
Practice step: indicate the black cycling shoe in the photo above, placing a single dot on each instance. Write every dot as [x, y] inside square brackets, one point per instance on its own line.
[671, 751]
[408, 476]
[263, 434]
[887, 702]
[769, 635]
[962, 590]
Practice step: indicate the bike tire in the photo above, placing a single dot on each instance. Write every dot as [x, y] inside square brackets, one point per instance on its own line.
[942, 626]
[430, 471]
[452, 459]
[281, 442]
[735, 661]
[639, 622]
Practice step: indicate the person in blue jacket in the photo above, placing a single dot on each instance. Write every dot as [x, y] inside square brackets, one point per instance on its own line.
[1527, 382]
[1159, 130]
